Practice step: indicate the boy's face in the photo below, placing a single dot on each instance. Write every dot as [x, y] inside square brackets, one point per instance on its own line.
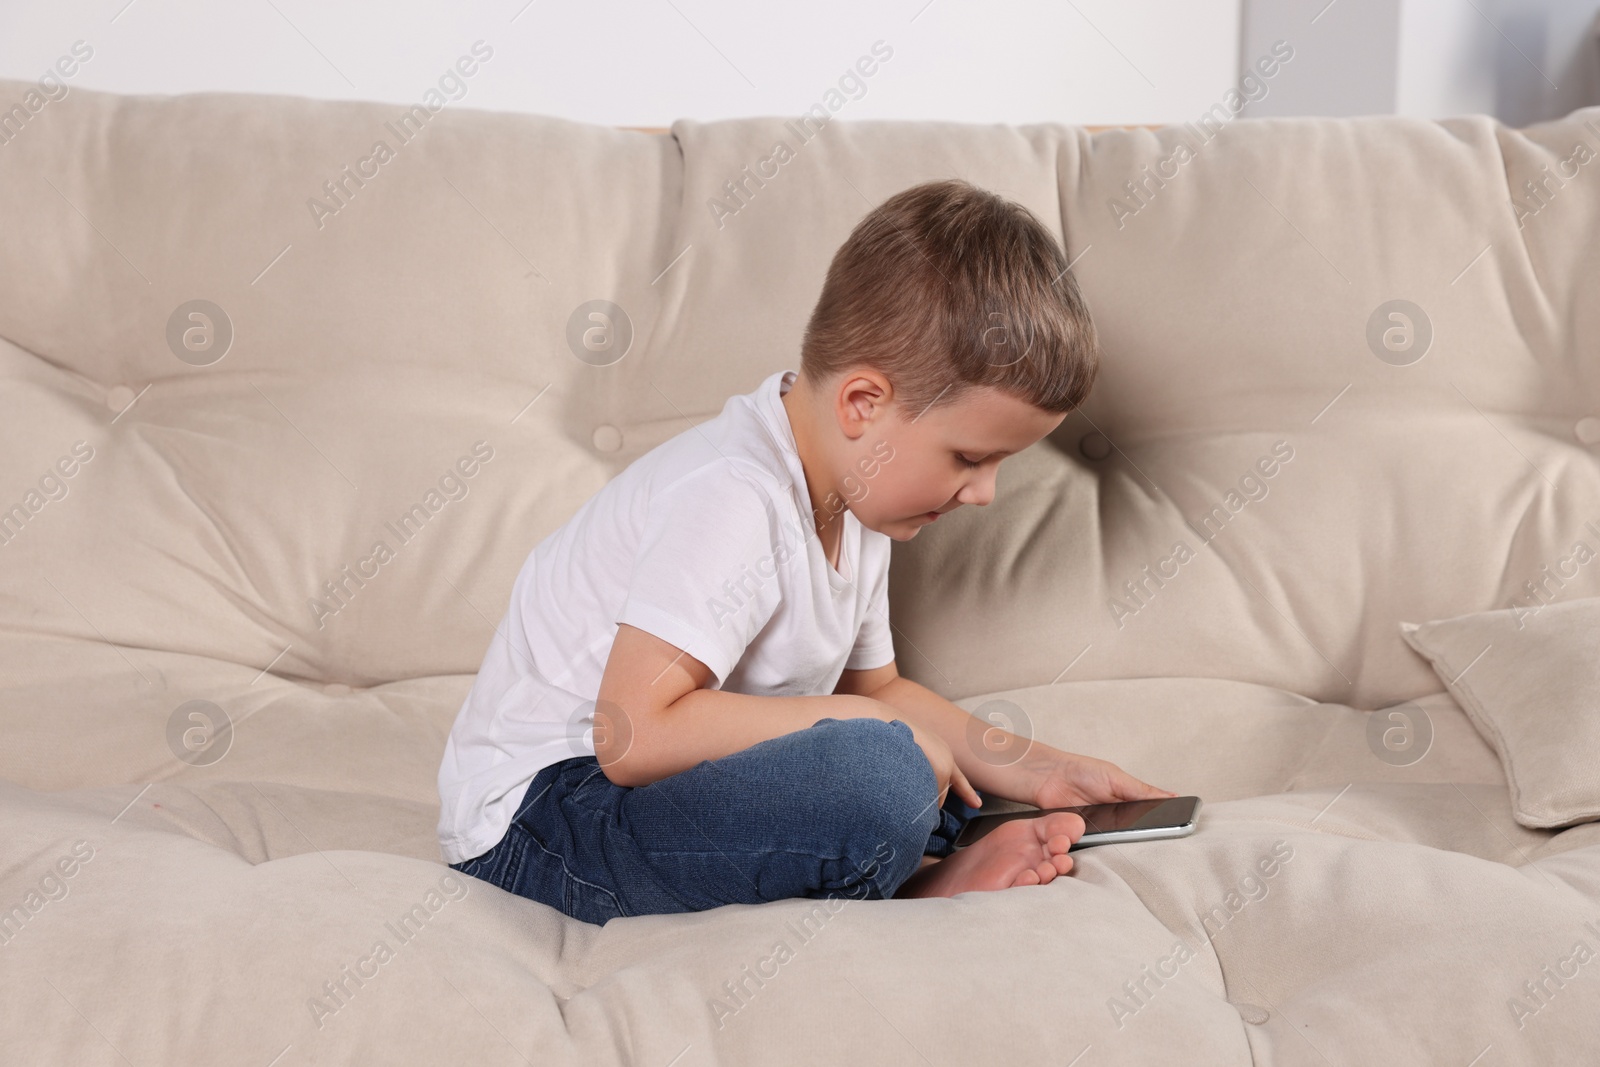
[928, 473]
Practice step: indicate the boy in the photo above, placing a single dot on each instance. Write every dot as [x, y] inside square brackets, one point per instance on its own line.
[696, 609]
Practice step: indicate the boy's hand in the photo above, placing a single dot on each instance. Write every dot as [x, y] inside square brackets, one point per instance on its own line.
[1065, 779]
[944, 765]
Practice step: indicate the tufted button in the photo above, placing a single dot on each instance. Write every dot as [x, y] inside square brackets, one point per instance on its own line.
[119, 397]
[1588, 430]
[607, 438]
[336, 689]
[1094, 445]
[1254, 1014]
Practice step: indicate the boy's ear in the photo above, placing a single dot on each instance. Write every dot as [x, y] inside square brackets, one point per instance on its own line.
[864, 395]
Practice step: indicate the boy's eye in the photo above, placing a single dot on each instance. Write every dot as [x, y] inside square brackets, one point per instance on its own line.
[965, 461]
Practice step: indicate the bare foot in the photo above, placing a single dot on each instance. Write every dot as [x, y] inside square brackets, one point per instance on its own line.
[1019, 852]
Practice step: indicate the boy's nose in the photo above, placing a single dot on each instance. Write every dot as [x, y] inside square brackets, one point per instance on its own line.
[978, 493]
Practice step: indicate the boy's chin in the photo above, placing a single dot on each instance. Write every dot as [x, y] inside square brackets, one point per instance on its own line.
[902, 530]
[899, 529]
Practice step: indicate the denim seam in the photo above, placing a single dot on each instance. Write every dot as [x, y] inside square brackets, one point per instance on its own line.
[597, 769]
[516, 858]
[573, 798]
[744, 852]
[529, 801]
[566, 872]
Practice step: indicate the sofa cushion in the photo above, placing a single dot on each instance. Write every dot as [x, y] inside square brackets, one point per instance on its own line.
[233, 509]
[1530, 681]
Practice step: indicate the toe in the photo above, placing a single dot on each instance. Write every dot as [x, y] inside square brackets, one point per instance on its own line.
[1059, 843]
[1046, 871]
[1027, 877]
[1063, 863]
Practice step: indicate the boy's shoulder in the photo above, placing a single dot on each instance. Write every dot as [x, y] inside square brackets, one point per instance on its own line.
[719, 475]
[740, 446]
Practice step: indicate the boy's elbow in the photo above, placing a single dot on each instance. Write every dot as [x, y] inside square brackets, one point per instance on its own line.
[620, 769]
[618, 774]
[617, 745]
[616, 764]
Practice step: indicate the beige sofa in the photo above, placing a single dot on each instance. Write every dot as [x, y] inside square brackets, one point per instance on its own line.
[224, 705]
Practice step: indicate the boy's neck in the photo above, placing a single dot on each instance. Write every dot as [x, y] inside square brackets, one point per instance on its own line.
[800, 404]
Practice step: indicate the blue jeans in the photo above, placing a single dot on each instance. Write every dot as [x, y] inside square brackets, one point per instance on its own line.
[843, 808]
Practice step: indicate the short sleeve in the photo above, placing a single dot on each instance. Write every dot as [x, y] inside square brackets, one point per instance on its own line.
[705, 576]
[874, 645]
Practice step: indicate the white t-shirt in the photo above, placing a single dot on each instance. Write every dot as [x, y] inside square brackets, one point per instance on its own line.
[706, 541]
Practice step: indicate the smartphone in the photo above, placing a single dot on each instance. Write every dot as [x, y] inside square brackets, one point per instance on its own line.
[1106, 824]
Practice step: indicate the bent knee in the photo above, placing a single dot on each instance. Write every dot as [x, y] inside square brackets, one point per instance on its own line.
[865, 741]
[881, 771]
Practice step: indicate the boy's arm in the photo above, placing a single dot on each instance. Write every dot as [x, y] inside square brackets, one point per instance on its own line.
[997, 761]
[653, 718]
[989, 756]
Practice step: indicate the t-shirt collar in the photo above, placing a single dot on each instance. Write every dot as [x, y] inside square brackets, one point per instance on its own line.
[777, 418]
[777, 415]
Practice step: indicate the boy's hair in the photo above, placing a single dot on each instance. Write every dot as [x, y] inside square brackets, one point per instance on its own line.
[945, 286]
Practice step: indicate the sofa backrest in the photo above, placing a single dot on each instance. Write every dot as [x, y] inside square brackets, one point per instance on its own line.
[324, 373]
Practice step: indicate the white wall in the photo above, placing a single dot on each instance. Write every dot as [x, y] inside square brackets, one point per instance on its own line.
[647, 62]
[1521, 60]
[1345, 55]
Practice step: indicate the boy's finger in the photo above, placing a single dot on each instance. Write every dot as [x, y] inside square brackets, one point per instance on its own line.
[1156, 790]
[1132, 788]
[969, 794]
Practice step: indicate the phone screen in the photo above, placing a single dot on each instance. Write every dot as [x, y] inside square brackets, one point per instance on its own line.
[1135, 814]
[1159, 813]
